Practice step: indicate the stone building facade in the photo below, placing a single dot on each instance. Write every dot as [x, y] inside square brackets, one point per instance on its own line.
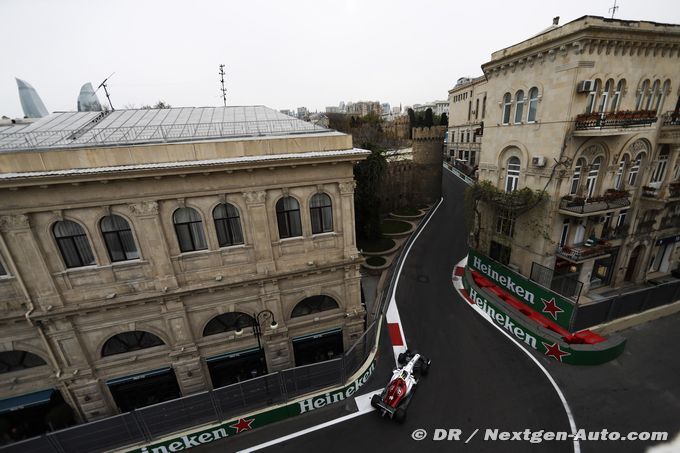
[588, 112]
[467, 110]
[168, 257]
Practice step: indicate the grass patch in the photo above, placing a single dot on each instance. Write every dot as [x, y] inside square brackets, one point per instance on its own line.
[375, 261]
[407, 212]
[394, 226]
[378, 245]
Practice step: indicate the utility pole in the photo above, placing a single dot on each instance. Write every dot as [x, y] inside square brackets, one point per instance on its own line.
[613, 9]
[223, 90]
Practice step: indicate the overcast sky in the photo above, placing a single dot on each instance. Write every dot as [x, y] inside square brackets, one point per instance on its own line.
[282, 54]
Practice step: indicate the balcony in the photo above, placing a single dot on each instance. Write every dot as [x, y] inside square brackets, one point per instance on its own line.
[612, 200]
[645, 227]
[579, 253]
[613, 123]
[670, 128]
[659, 197]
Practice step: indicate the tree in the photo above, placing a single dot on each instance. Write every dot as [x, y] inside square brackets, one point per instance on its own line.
[444, 120]
[157, 105]
[428, 121]
[368, 174]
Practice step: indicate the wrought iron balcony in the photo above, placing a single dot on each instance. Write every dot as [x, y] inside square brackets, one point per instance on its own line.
[581, 206]
[671, 119]
[579, 253]
[615, 120]
[661, 195]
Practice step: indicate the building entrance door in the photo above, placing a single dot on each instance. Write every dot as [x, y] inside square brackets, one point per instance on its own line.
[632, 263]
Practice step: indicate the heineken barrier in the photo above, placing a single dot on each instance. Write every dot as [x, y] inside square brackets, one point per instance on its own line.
[536, 336]
[233, 427]
[550, 304]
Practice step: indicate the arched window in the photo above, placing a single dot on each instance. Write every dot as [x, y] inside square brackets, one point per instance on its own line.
[519, 106]
[652, 94]
[507, 105]
[314, 304]
[533, 105]
[227, 225]
[661, 163]
[661, 96]
[576, 178]
[591, 180]
[618, 178]
[635, 168]
[512, 175]
[189, 230]
[73, 244]
[321, 212]
[118, 238]
[616, 98]
[18, 360]
[641, 95]
[605, 95]
[130, 341]
[590, 101]
[288, 217]
[227, 322]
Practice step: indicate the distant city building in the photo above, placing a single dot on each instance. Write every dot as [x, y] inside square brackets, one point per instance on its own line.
[87, 100]
[302, 113]
[30, 101]
[333, 110]
[363, 108]
[438, 107]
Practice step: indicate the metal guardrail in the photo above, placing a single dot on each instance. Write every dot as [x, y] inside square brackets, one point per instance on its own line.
[468, 180]
[611, 120]
[149, 423]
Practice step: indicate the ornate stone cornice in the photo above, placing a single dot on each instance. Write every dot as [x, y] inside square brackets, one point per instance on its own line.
[145, 208]
[14, 222]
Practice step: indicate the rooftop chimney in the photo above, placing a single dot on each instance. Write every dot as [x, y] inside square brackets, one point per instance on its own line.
[556, 20]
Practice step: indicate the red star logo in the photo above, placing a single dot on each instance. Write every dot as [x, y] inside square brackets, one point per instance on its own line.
[550, 307]
[242, 425]
[554, 351]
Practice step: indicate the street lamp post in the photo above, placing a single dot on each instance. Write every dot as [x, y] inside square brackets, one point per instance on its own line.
[259, 319]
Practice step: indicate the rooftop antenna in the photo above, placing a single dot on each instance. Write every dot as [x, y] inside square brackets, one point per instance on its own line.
[103, 84]
[613, 9]
[223, 90]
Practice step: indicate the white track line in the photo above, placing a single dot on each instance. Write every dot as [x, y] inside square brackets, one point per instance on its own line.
[363, 402]
[567, 409]
[392, 315]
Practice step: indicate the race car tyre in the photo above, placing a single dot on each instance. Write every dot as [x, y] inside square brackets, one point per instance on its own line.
[375, 399]
[400, 415]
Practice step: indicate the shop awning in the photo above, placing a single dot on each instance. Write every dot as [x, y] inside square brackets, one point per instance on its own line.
[23, 401]
[136, 377]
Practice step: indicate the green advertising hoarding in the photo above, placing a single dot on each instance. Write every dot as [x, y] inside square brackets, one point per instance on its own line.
[550, 304]
[216, 432]
[539, 339]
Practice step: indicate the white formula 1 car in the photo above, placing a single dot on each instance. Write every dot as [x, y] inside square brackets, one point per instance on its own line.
[395, 398]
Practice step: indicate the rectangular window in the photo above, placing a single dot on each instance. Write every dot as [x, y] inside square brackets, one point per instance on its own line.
[622, 218]
[660, 170]
[505, 223]
[499, 252]
[565, 232]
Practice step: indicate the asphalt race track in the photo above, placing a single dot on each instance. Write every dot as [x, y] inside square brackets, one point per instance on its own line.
[479, 379]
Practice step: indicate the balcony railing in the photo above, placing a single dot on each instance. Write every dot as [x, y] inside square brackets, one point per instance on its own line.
[670, 191]
[671, 119]
[615, 120]
[578, 253]
[612, 199]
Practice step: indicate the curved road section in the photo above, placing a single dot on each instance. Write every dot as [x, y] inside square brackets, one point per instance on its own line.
[479, 380]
